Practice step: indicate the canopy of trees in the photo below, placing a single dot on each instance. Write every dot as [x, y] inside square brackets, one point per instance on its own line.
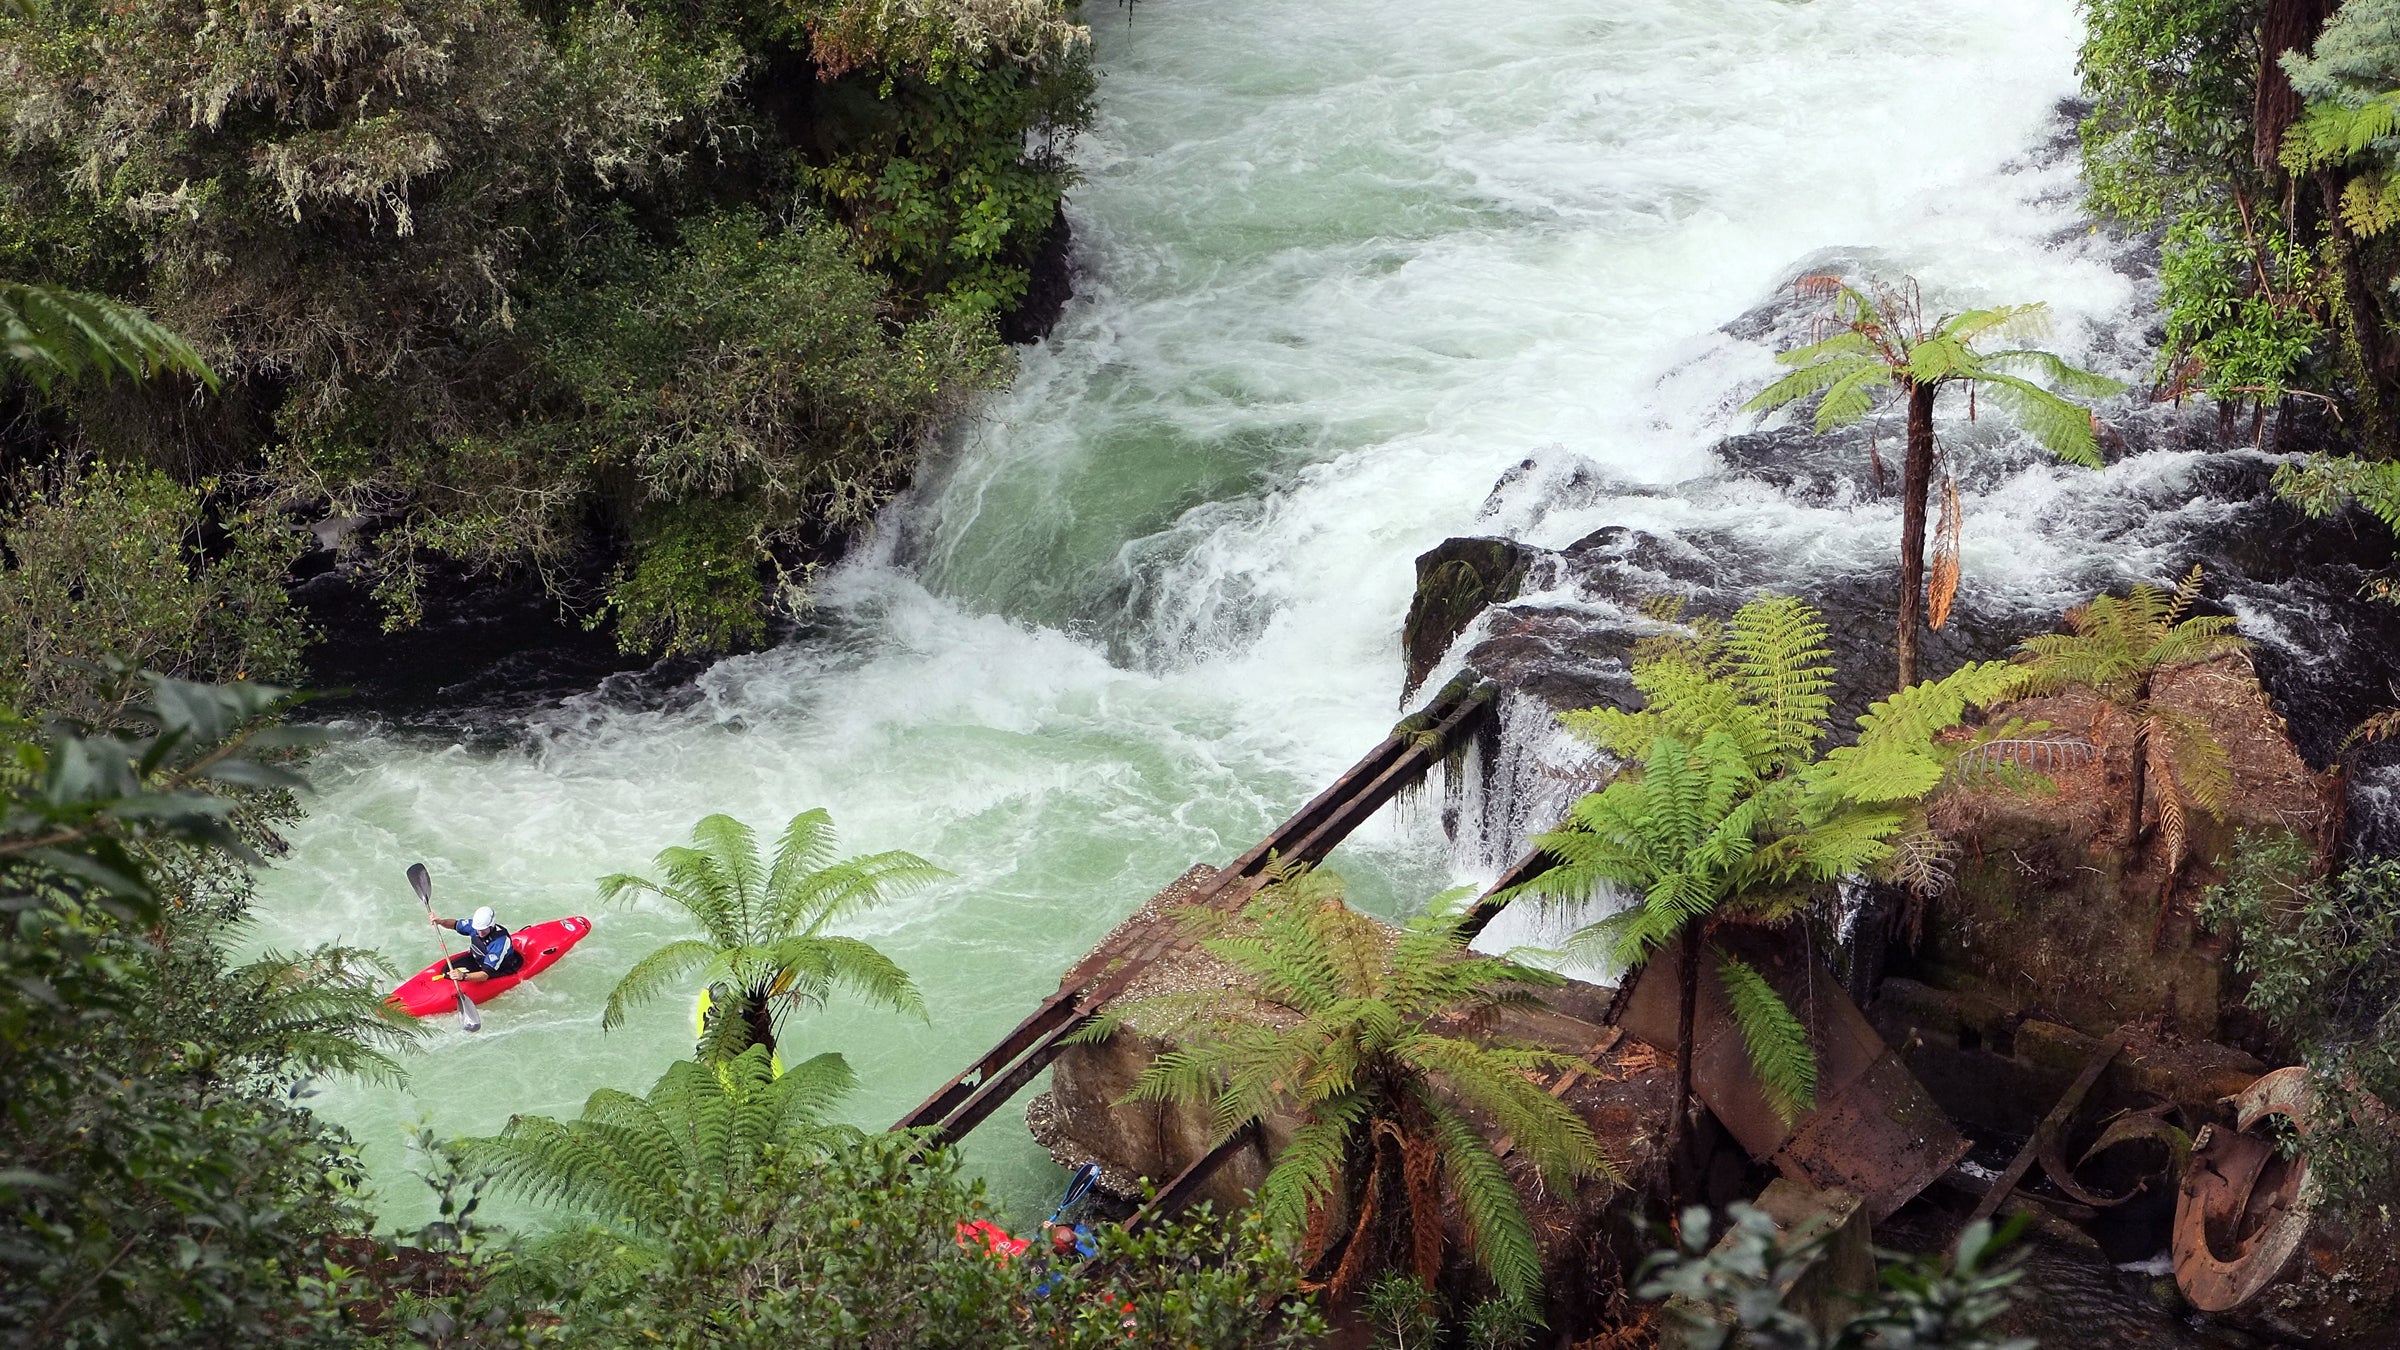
[647, 299]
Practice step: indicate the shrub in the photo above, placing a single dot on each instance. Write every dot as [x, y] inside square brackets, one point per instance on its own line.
[2323, 960]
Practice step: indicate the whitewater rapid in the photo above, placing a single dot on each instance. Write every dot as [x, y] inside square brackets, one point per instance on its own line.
[1341, 264]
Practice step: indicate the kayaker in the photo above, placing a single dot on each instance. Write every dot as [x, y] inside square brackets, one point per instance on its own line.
[488, 953]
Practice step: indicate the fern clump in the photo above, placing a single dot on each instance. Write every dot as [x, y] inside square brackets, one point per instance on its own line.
[630, 1163]
[1352, 1029]
[1726, 813]
[2117, 647]
[766, 948]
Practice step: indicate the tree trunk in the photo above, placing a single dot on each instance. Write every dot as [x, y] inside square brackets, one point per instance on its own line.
[2141, 769]
[761, 1021]
[1916, 484]
[1683, 1175]
[2288, 25]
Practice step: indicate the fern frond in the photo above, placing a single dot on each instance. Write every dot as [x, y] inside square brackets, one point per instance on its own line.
[1817, 372]
[49, 334]
[2059, 425]
[2057, 372]
[2381, 726]
[2002, 321]
[1850, 398]
[1778, 1044]
[1494, 1219]
[1307, 1175]
[1777, 662]
[1548, 1132]
[668, 967]
[2184, 749]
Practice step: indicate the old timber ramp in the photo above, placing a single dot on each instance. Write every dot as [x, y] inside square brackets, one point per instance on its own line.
[1419, 742]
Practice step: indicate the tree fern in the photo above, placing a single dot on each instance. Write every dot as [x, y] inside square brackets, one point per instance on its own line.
[626, 1160]
[2117, 646]
[1742, 822]
[1883, 343]
[1333, 1025]
[766, 948]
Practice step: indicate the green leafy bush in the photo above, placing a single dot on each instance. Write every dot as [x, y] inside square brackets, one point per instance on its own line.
[747, 388]
[160, 1182]
[1736, 1295]
[124, 564]
[2322, 956]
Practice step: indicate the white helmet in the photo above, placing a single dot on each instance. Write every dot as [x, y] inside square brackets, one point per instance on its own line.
[482, 920]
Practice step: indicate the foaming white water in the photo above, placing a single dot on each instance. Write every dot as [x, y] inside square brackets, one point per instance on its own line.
[1343, 262]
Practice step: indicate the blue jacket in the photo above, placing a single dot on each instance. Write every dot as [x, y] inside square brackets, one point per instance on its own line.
[491, 949]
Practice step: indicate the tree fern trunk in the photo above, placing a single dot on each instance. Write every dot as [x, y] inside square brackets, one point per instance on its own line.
[760, 1020]
[1682, 1174]
[2371, 352]
[2141, 768]
[2288, 25]
[1916, 484]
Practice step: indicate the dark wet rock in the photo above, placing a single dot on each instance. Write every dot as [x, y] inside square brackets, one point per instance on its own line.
[1050, 283]
[1456, 580]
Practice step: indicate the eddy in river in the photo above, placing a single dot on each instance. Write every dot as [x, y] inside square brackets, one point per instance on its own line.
[488, 953]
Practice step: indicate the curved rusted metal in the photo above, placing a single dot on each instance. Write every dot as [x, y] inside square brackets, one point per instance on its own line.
[2242, 1212]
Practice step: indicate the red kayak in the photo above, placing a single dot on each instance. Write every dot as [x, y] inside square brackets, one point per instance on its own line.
[541, 944]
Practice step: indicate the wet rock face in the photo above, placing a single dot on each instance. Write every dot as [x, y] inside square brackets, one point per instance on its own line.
[1456, 580]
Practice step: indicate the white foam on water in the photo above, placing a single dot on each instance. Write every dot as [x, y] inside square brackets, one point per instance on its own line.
[1343, 263]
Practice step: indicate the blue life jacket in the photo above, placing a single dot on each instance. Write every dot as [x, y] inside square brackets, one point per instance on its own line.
[491, 949]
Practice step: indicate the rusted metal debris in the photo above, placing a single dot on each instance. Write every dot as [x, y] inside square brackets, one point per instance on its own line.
[1403, 758]
[2242, 1213]
[1876, 1132]
[2051, 1125]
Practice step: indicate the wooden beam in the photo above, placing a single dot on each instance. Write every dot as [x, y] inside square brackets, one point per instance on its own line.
[2059, 1115]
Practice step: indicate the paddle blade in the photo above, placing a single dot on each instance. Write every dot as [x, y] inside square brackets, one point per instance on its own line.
[468, 1018]
[421, 881]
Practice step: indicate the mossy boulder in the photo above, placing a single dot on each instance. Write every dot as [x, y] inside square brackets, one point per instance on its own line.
[2050, 915]
[1457, 579]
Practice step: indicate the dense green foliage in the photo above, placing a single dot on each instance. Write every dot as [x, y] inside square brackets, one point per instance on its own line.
[859, 1246]
[2170, 144]
[651, 300]
[766, 949]
[1335, 1024]
[1726, 813]
[2322, 956]
[160, 1183]
[125, 565]
[1735, 1295]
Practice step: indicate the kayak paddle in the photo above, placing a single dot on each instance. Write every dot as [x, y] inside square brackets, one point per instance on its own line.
[421, 882]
